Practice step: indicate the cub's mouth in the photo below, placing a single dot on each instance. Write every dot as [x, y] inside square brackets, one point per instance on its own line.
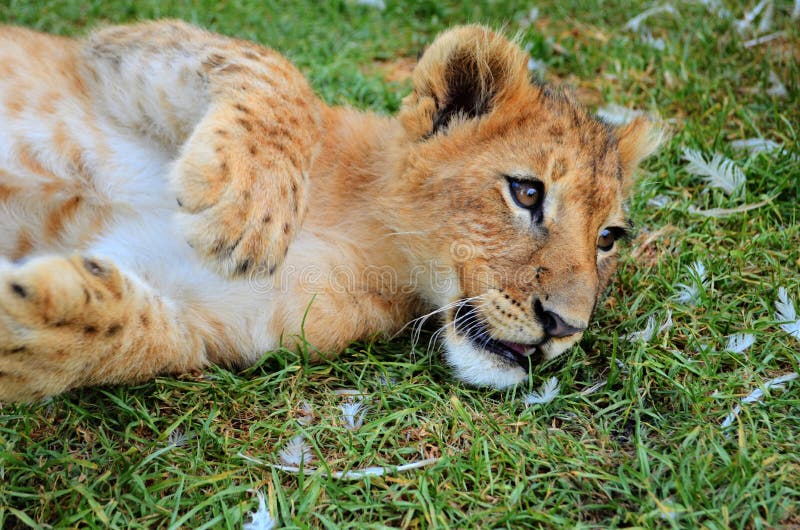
[469, 325]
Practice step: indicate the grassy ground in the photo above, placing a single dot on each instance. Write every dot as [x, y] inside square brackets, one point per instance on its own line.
[645, 450]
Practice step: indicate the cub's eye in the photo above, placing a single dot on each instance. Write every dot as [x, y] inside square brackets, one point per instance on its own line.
[527, 194]
[609, 236]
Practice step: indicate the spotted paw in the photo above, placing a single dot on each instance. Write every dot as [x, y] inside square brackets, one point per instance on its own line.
[241, 194]
[52, 328]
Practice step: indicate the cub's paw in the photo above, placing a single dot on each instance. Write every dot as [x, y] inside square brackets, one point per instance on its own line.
[240, 202]
[52, 332]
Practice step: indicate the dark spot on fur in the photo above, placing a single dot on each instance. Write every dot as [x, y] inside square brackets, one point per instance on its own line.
[244, 266]
[20, 349]
[218, 246]
[231, 69]
[90, 330]
[253, 149]
[19, 290]
[285, 228]
[267, 218]
[180, 204]
[241, 108]
[246, 124]
[215, 59]
[221, 132]
[93, 267]
[144, 320]
[113, 330]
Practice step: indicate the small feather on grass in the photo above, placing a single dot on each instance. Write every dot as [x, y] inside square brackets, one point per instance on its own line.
[779, 383]
[745, 25]
[305, 413]
[353, 474]
[635, 24]
[725, 212]
[261, 519]
[689, 293]
[529, 18]
[380, 5]
[719, 172]
[756, 145]
[764, 39]
[740, 342]
[650, 331]
[353, 413]
[179, 438]
[296, 452]
[785, 312]
[776, 87]
[614, 114]
[546, 393]
[656, 43]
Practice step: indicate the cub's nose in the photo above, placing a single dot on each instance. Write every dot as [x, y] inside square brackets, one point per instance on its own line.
[553, 324]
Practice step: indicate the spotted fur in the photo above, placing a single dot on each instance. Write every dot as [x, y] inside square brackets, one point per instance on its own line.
[172, 198]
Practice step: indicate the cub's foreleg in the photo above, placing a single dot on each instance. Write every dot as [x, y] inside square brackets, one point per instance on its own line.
[243, 121]
[68, 322]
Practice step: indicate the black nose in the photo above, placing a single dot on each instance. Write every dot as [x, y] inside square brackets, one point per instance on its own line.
[553, 324]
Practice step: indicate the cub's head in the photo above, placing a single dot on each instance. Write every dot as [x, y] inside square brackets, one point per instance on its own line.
[512, 197]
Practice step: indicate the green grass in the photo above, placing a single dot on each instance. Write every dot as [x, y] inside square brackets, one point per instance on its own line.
[645, 450]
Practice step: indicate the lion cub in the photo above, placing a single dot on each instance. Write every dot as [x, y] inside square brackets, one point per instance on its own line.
[171, 198]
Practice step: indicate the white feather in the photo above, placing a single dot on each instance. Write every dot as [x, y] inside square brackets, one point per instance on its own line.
[650, 331]
[353, 413]
[777, 89]
[746, 23]
[756, 145]
[261, 519]
[380, 5]
[617, 114]
[179, 438]
[654, 42]
[358, 474]
[689, 293]
[529, 18]
[725, 212]
[796, 9]
[635, 23]
[546, 393]
[764, 39]
[715, 7]
[719, 172]
[778, 383]
[740, 342]
[537, 66]
[667, 325]
[785, 312]
[296, 451]
[306, 413]
[659, 201]
[644, 335]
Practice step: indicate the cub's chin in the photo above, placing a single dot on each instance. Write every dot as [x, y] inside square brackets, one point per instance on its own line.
[486, 362]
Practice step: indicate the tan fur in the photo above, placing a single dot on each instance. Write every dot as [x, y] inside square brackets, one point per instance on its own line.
[268, 181]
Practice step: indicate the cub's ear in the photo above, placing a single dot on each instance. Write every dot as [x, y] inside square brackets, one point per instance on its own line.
[464, 73]
[637, 140]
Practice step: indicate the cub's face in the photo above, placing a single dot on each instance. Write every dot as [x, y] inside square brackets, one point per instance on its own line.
[519, 194]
